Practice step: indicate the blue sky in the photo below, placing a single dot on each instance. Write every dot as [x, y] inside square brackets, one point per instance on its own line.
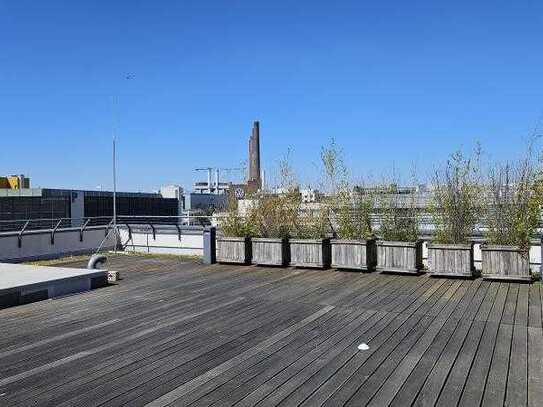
[180, 82]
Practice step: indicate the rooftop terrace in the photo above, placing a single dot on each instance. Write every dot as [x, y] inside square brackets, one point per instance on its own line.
[180, 333]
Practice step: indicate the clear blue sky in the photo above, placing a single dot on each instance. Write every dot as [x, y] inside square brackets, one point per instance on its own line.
[394, 82]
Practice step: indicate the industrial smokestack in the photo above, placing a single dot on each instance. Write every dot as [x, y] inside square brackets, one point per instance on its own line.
[254, 156]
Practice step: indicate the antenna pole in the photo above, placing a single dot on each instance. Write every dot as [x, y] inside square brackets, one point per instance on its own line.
[115, 194]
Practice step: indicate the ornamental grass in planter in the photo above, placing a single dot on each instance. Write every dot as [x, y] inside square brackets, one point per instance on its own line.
[274, 217]
[512, 218]
[455, 207]
[355, 247]
[234, 246]
[309, 247]
[309, 244]
[399, 250]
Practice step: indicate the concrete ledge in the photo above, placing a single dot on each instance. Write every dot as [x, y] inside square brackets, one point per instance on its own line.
[53, 256]
[22, 284]
[39, 245]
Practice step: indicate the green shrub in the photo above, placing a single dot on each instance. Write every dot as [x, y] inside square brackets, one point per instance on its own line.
[514, 202]
[399, 218]
[353, 215]
[456, 199]
[234, 225]
[275, 216]
[312, 224]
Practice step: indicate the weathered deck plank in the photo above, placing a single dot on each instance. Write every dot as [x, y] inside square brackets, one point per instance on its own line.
[222, 335]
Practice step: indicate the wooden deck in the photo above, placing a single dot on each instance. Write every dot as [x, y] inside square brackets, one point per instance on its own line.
[173, 333]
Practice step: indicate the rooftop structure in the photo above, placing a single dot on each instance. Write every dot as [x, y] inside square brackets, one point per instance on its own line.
[14, 182]
[309, 195]
[22, 284]
[51, 203]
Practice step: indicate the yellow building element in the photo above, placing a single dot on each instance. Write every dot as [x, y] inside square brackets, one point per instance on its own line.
[14, 182]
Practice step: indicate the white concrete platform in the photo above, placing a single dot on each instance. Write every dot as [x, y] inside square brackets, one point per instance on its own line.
[21, 284]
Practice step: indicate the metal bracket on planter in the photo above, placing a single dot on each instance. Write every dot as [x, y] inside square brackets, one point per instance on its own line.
[54, 230]
[20, 237]
[82, 229]
[153, 229]
[178, 232]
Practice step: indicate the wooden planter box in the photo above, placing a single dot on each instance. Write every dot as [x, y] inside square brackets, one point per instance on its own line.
[270, 252]
[233, 250]
[505, 263]
[451, 260]
[310, 253]
[399, 257]
[354, 254]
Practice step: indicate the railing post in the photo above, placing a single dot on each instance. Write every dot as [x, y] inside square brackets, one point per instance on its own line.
[82, 229]
[209, 245]
[178, 232]
[54, 230]
[20, 236]
[129, 231]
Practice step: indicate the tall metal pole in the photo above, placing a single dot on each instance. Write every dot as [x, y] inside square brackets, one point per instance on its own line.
[114, 195]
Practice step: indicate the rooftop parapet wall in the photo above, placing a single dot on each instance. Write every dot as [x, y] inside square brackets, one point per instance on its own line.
[39, 244]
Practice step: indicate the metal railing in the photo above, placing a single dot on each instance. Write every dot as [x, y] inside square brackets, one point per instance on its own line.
[22, 225]
[26, 225]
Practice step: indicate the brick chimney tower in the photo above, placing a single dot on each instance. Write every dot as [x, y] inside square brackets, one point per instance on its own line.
[254, 182]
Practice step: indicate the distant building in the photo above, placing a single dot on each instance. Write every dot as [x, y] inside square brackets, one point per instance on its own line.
[14, 182]
[206, 188]
[172, 191]
[204, 202]
[407, 196]
[201, 202]
[47, 203]
[309, 195]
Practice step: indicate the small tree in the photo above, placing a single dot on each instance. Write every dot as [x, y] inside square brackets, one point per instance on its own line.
[353, 214]
[337, 205]
[335, 172]
[456, 198]
[514, 202]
